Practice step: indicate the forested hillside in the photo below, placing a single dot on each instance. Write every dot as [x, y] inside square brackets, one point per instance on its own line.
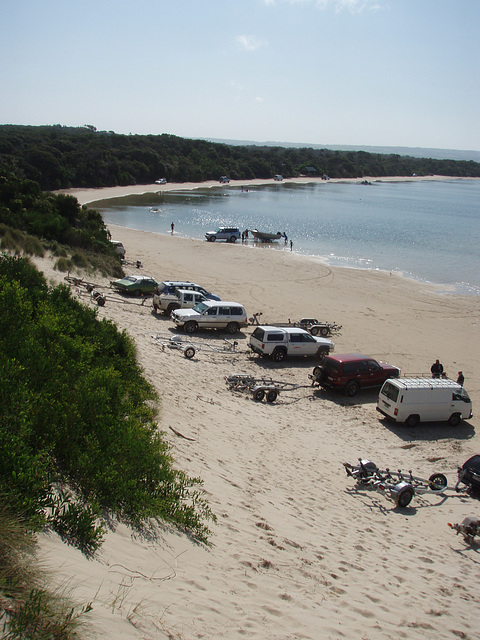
[61, 157]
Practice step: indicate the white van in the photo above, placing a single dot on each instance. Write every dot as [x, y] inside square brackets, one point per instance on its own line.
[414, 400]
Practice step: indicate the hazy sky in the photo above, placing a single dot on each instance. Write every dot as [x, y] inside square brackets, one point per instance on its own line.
[359, 72]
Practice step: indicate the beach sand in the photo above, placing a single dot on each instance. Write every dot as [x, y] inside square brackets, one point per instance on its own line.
[297, 552]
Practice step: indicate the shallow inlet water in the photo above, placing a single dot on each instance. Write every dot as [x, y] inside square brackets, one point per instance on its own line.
[429, 231]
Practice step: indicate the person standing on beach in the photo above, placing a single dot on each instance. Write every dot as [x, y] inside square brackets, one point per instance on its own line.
[291, 245]
[460, 379]
[172, 227]
[436, 369]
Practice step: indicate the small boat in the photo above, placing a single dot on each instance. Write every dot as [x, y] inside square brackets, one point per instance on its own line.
[154, 210]
[266, 237]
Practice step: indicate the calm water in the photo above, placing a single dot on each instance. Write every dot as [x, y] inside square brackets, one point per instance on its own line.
[429, 231]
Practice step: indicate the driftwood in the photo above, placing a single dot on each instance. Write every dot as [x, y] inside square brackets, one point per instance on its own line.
[180, 435]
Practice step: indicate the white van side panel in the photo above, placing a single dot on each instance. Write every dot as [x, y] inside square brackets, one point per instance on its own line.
[430, 401]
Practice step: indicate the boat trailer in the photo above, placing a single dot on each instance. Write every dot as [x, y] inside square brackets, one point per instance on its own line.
[189, 348]
[312, 325]
[259, 388]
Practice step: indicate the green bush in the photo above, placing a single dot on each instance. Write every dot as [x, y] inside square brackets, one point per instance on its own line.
[78, 435]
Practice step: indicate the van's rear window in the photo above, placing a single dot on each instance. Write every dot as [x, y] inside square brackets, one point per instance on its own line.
[390, 391]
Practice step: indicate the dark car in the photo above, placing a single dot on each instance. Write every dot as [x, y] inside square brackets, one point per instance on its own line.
[350, 372]
[135, 285]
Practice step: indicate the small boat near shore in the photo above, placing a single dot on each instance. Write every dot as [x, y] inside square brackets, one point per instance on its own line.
[263, 236]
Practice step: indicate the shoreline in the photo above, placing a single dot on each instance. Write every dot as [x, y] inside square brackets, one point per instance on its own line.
[98, 194]
[93, 196]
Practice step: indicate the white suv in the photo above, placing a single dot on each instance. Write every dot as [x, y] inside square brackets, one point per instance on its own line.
[280, 342]
[211, 315]
[181, 299]
[230, 234]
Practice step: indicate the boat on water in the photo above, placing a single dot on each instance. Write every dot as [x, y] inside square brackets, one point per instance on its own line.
[263, 236]
[154, 210]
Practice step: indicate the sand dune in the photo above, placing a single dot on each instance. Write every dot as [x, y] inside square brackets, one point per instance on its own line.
[297, 552]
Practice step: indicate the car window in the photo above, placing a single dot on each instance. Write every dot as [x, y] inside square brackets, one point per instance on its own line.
[295, 337]
[362, 367]
[224, 311]
[390, 391]
[373, 365]
[275, 337]
[258, 334]
[349, 367]
[331, 365]
[236, 311]
[188, 297]
[306, 337]
[200, 307]
[212, 311]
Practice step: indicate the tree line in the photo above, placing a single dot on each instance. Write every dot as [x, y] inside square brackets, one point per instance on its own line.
[59, 157]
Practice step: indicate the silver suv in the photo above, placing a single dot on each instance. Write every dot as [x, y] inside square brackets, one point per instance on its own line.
[230, 234]
[211, 315]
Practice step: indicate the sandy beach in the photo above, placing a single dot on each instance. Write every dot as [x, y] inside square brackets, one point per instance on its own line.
[297, 552]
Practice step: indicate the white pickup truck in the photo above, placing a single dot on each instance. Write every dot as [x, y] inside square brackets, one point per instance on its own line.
[180, 299]
[280, 342]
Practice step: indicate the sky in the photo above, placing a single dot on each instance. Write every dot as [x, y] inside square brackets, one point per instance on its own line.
[347, 72]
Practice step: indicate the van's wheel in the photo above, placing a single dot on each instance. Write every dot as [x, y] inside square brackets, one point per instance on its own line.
[233, 239]
[351, 389]
[189, 352]
[212, 238]
[272, 395]
[232, 327]
[279, 355]
[437, 482]
[259, 395]
[190, 326]
[404, 498]
[314, 331]
[412, 421]
[454, 419]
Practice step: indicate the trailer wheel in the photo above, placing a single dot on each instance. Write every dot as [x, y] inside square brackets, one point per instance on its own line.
[324, 331]
[314, 331]
[437, 482]
[404, 498]
[189, 352]
[258, 395]
[454, 419]
[272, 395]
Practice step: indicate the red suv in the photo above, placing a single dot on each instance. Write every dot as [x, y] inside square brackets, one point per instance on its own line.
[352, 371]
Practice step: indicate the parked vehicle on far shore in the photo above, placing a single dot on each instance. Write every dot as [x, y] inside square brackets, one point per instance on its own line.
[415, 400]
[211, 315]
[230, 234]
[181, 299]
[135, 285]
[350, 372]
[224, 179]
[280, 342]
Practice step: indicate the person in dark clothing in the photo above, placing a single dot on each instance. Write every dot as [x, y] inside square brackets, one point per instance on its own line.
[436, 369]
[461, 378]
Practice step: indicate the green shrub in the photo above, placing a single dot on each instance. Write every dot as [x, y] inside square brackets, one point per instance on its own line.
[78, 435]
